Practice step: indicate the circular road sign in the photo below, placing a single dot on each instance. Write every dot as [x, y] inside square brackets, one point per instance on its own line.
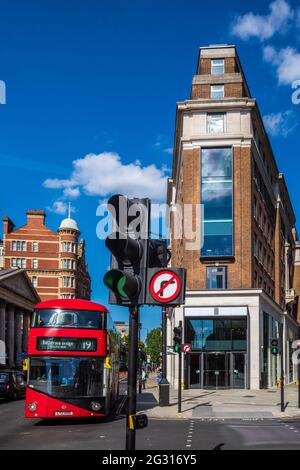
[186, 348]
[165, 286]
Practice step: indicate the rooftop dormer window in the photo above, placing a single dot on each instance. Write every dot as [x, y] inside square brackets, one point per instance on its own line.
[217, 67]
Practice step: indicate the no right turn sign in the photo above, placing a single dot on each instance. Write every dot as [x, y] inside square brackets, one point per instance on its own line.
[165, 286]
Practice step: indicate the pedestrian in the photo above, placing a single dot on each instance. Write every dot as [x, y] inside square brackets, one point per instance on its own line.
[144, 378]
[159, 376]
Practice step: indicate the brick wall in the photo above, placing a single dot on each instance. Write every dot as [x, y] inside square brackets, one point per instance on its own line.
[240, 268]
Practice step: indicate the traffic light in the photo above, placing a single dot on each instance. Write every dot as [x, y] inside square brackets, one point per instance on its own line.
[158, 254]
[274, 346]
[177, 338]
[128, 244]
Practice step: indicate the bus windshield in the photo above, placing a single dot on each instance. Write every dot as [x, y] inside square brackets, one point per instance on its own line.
[59, 318]
[67, 377]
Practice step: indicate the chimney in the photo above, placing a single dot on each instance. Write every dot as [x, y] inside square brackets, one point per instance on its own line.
[8, 225]
[36, 218]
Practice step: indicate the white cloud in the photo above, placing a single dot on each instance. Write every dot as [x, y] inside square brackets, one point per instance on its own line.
[105, 173]
[169, 150]
[55, 183]
[280, 124]
[286, 61]
[60, 207]
[72, 193]
[263, 26]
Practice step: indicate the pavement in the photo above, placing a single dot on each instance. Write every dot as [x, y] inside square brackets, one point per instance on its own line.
[18, 433]
[210, 420]
[220, 404]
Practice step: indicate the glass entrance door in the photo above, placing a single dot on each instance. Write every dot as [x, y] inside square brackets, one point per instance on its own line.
[238, 370]
[216, 370]
[194, 371]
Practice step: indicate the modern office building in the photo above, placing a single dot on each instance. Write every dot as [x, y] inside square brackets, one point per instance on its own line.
[243, 276]
[54, 261]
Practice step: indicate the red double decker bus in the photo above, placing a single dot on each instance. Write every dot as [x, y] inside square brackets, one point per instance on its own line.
[73, 352]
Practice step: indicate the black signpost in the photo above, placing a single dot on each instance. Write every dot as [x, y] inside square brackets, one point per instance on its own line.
[132, 376]
[138, 276]
[179, 373]
[281, 370]
[298, 383]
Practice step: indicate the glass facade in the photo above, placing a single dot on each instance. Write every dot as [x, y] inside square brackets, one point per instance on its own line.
[217, 334]
[216, 196]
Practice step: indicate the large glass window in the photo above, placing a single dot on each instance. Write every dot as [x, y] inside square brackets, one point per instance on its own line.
[18, 245]
[67, 377]
[216, 278]
[217, 334]
[58, 318]
[216, 196]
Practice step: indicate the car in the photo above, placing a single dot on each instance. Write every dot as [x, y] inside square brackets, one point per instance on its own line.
[12, 384]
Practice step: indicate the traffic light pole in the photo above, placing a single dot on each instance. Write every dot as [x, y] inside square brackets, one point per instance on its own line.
[298, 384]
[179, 374]
[139, 359]
[132, 375]
[164, 386]
[281, 370]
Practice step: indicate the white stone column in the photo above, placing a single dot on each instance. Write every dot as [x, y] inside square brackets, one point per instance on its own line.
[18, 337]
[254, 344]
[26, 321]
[11, 335]
[2, 333]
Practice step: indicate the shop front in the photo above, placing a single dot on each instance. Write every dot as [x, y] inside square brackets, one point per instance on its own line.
[218, 358]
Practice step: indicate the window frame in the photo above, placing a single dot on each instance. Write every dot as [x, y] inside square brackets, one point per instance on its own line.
[212, 91]
[209, 117]
[210, 277]
[225, 220]
[214, 66]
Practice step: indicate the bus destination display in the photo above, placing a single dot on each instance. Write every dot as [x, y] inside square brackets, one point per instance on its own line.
[66, 344]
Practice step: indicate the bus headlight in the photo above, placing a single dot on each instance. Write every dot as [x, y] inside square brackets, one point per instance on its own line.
[32, 406]
[96, 406]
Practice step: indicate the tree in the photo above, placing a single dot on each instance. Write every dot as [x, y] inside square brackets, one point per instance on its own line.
[141, 346]
[154, 345]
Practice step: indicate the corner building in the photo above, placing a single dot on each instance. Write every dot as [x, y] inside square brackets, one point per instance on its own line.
[243, 277]
[54, 261]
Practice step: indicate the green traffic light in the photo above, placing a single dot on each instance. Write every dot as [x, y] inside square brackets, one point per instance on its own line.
[274, 351]
[120, 287]
[116, 281]
[176, 347]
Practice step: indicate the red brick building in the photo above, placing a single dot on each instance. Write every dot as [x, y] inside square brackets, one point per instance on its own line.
[54, 261]
[243, 275]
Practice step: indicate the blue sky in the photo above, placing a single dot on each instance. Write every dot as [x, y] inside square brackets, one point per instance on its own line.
[97, 82]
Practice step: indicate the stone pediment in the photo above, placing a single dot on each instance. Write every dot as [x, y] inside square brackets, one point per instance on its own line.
[17, 282]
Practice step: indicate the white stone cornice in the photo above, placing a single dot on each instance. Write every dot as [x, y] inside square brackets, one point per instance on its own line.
[225, 104]
[214, 79]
